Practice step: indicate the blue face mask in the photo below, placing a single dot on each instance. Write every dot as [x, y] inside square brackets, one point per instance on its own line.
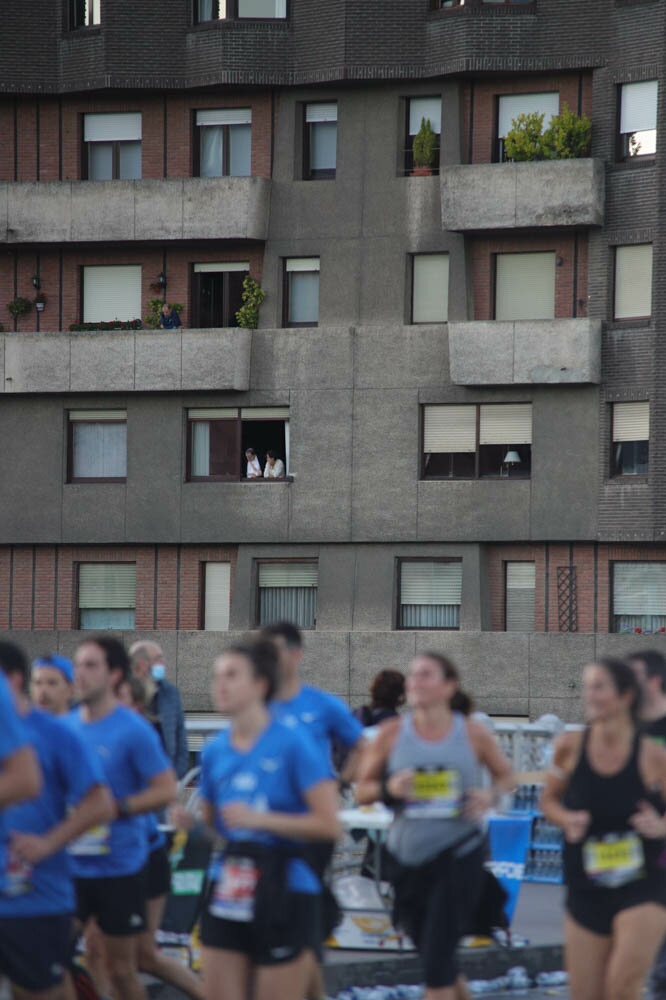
[158, 671]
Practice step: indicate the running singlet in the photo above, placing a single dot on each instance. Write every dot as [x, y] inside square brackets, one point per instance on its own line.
[612, 854]
[326, 717]
[272, 776]
[70, 771]
[130, 753]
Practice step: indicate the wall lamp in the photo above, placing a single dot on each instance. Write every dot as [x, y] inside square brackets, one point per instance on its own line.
[161, 279]
[35, 281]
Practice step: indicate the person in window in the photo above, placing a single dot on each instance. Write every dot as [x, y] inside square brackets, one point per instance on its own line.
[169, 318]
[274, 468]
[253, 464]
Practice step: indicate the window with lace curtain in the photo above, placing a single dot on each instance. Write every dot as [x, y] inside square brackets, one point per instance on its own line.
[638, 597]
[97, 446]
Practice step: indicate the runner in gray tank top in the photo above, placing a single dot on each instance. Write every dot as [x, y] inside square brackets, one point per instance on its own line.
[427, 766]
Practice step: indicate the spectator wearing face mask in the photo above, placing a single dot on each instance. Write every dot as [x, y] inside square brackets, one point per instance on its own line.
[163, 701]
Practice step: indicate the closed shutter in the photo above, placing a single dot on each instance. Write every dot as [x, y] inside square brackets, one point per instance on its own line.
[288, 574]
[449, 429]
[213, 414]
[288, 592]
[429, 108]
[302, 264]
[509, 424]
[107, 585]
[217, 596]
[97, 416]
[265, 413]
[220, 266]
[525, 286]
[631, 421]
[430, 293]
[520, 582]
[513, 105]
[225, 116]
[639, 589]
[111, 293]
[430, 594]
[321, 112]
[638, 106]
[124, 127]
[633, 281]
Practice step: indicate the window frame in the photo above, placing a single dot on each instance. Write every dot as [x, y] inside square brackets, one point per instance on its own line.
[644, 319]
[611, 589]
[70, 22]
[76, 609]
[413, 257]
[238, 420]
[310, 174]
[226, 146]
[115, 162]
[195, 297]
[507, 563]
[233, 15]
[494, 282]
[305, 560]
[83, 480]
[408, 139]
[622, 155]
[614, 474]
[286, 293]
[202, 592]
[477, 477]
[397, 611]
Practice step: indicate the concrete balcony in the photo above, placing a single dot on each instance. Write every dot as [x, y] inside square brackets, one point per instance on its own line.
[492, 196]
[125, 361]
[526, 352]
[192, 208]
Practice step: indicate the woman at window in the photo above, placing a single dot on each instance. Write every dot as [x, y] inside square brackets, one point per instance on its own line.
[274, 468]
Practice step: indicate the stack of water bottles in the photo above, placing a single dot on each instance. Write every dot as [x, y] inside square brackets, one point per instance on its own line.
[516, 981]
[544, 856]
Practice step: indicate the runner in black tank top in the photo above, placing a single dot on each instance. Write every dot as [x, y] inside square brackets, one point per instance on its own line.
[607, 790]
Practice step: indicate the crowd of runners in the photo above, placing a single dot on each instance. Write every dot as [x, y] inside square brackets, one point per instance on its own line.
[87, 791]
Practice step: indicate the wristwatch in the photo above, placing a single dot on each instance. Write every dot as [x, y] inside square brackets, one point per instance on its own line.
[122, 809]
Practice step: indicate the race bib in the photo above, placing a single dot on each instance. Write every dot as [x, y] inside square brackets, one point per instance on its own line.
[92, 843]
[234, 891]
[436, 794]
[16, 877]
[614, 860]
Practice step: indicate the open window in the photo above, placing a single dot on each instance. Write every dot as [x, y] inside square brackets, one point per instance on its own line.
[217, 293]
[218, 439]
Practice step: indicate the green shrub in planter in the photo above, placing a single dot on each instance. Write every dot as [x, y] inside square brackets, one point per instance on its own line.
[424, 148]
[524, 140]
[568, 136]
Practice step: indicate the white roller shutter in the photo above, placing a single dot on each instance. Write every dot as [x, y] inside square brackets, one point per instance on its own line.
[288, 574]
[449, 429]
[265, 413]
[429, 108]
[520, 583]
[639, 588]
[631, 421]
[107, 585]
[430, 582]
[97, 416]
[512, 105]
[638, 106]
[321, 112]
[302, 264]
[217, 596]
[216, 267]
[633, 281]
[505, 424]
[213, 414]
[125, 127]
[430, 294]
[111, 293]
[525, 286]
[225, 116]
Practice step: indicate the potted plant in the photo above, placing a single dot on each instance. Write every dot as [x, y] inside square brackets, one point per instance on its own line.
[19, 307]
[424, 149]
[253, 295]
[40, 301]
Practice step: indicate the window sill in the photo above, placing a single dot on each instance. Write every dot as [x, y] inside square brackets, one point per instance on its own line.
[475, 479]
[236, 482]
[424, 628]
[636, 323]
[635, 162]
[628, 480]
[228, 23]
[83, 32]
[93, 482]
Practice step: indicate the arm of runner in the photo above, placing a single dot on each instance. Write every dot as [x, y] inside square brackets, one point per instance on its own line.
[479, 800]
[348, 731]
[20, 777]
[647, 820]
[574, 823]
[160, 793]
[320, 822]
[372, 765]
[94, 808]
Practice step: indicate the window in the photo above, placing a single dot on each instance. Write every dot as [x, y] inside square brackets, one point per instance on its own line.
[430, 288]
[519, 605]
[84, 13]
[107, 596]
[319, 147]
[631, 439]
[510, 106]
[639, 597]
[524, 286]
[218, 10]
[288, 592]
[112, 147]
[223, 142]
[97, 446]
[216, 596]
[217, 293]
[301, 292]
[111, 293]
[430, 594]
[493, 440]
[638, 120]
[269, 9]
[419, 108]
[217, 440]
[633, 282]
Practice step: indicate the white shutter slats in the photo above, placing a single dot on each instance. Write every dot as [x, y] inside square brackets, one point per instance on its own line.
[97, 416]
[525, 286]
[288, 575]
[125, 127]
[512, 105]
[639, 588]
[302, 264]
[638, 106]
[213, 414]
[225, 116]
[520, 583]
[265, 413]
[633, 281]
[111, 293]
[215, 267]
[217, 596]
[430, 293]
[631, 421]
[506, 424]
[107, 585]
[429, 108]
[322, 112]
[430, 583]
[449, 429]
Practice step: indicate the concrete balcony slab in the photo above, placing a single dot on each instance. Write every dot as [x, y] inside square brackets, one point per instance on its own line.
[491, 196]
[525, 352]
[192, 208]
[126, 361]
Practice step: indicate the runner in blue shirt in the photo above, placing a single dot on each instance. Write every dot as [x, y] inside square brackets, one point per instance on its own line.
[108, 862]
[19, 772]
[267, 790]
[37, 899]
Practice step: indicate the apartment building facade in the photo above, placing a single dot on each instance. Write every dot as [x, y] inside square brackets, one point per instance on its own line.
[460, 372]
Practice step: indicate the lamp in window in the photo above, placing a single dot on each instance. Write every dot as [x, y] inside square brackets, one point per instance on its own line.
[511, 462]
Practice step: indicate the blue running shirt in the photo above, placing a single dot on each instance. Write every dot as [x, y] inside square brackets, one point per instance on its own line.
[12, 734]
[70, 772]
[326, 718]
[272, 776]
[130, 753]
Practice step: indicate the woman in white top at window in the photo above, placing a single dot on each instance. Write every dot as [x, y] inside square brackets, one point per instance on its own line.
[274, 468]
[253, 464]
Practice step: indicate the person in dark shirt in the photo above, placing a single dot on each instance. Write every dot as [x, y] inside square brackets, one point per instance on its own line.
[169, 318]
[387, 694]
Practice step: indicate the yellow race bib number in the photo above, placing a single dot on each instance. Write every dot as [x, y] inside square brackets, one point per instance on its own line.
[614, 860]
[436, 794]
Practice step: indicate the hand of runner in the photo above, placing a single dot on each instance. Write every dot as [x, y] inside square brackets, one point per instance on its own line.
[401, 784]
[648, 822]
[478, 801]
[238, 814]
[30, 847]
[181, 818]
[575, 825]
